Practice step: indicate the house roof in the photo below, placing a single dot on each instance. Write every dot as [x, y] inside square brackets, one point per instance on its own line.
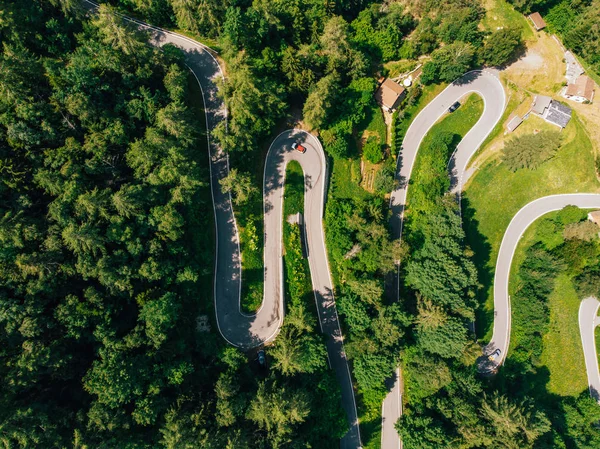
[388, 93]
[537, 20]
[540, 103]
[594, 216]
[514, 123]
[583, 87]
[558, 114]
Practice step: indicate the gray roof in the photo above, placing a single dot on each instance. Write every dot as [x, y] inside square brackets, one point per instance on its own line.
[540, 103]
[514, 123]
[558, 113]
[561, 107]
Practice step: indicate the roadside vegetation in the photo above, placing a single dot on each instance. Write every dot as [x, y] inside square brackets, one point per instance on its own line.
[445, 398]
[107, 251]
[556, 266]
[495, 194]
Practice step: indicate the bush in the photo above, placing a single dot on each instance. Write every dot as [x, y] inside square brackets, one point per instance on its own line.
[336, 139]
[372, 150]
[384, 179]
[501, 46]
[531, 151]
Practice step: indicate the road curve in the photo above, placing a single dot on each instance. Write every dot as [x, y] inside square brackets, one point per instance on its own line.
[518, 225]
[239, 329]
[314, 165]
[487, 85]
[588, 320]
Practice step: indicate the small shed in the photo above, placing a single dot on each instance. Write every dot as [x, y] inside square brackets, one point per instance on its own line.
[538, 22]
[390, 94]
[514, 123]
[540, 104]
[581, 90]
[594, 217]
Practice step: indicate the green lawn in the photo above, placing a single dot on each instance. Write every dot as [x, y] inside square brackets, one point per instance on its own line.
[374, 123]
[495, 194]
[597, 334]
[563, 353]
[500, 13]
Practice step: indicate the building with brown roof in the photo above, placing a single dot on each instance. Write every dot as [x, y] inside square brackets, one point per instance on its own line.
[389, 95]
[581, 90]
[538, 22]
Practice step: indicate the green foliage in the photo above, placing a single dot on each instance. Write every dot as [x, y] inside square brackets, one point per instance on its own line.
[501, 45]
[448, 63]
[530, 150]
[385, 179]
[372, 150]
[320, 101]
[381, 31]
[240, 185]
[441, 257]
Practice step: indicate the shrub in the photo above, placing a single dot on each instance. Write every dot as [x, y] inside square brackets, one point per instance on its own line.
[372, 150]
[384, 179]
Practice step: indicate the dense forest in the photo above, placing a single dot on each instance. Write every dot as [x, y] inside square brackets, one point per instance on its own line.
[104, 273]
[103, 268]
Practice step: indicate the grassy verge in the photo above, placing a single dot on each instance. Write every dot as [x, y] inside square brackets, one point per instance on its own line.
[298, 284]
[249, 219]
[457, 124]
[562, 352]
[495, 194]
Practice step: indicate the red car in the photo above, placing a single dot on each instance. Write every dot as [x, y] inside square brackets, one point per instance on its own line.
[298, 147]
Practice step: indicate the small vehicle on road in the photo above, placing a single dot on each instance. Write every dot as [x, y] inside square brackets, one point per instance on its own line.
[262, 358]
[298, 147]
[494, 355]
[454, 107]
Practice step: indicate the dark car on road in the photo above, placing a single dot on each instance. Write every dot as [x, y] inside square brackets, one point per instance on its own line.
[454, 107]
[261, 357]
[298, 147]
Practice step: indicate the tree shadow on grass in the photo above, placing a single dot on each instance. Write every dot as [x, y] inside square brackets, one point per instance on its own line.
[482, 254]
[520, 380]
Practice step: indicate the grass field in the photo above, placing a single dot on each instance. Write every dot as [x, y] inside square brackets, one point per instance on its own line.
[499, 13]
[563, 353]
[495, 194]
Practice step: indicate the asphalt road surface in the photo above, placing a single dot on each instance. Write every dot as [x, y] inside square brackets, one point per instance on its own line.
[520, 222]
[487, 85]
[588, 320]
[239, 329]
[314, 165]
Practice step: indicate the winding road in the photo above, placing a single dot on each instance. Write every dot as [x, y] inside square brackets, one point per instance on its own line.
[243, 330]
[518, 225]
[588, 320]
[487, 85]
